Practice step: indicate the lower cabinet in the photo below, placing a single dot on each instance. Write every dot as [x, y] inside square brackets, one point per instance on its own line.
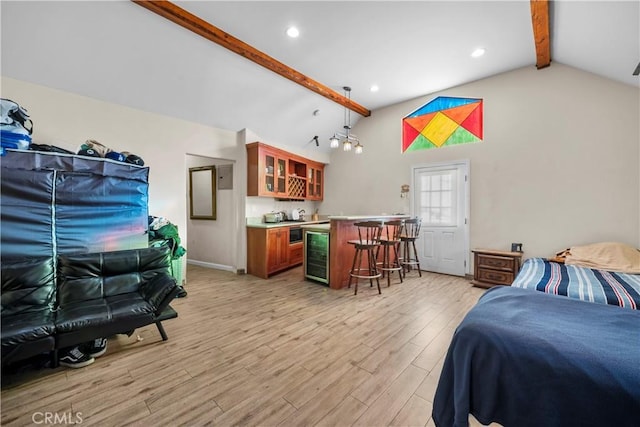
[295, 254]
[269, 251]
[277, 249]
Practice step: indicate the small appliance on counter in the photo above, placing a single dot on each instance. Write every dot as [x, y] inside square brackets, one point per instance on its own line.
[297, 215]
[273, 217]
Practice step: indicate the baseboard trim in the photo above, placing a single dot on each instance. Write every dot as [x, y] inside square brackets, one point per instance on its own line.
[211, 265]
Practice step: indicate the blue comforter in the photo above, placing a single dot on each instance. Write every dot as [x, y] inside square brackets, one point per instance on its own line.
[523, 358]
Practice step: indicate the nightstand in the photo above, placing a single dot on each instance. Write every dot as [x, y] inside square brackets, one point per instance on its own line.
[491, 267]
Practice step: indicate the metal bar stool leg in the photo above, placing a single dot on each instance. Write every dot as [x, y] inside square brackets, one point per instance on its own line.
[415, 254]
[357, 272]
[405, 258]
[373, 270]
[372, 266]
[397, 260]
[353, 266]
[386, 264]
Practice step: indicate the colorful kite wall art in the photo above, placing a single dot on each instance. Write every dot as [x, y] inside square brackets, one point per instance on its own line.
[441, 122]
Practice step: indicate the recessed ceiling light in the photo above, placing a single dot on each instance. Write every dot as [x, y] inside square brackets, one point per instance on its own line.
[374, 88]
[478, 52]
[293, 32]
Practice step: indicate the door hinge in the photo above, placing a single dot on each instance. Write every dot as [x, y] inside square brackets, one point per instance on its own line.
[465, 178]
[465, 221]
[465, 263]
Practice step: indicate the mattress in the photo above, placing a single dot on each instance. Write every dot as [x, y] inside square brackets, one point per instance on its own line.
[586, 284]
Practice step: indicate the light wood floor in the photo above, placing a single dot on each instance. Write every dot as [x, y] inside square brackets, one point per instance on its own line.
[247, 351]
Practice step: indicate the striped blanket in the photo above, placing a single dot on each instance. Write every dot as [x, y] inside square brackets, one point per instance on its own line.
[604, 287]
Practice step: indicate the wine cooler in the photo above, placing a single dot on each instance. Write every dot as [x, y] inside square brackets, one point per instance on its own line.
[316, 252]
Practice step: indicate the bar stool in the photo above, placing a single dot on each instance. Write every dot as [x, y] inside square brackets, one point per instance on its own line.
[408, 236]
[390, 244]
[368, 241]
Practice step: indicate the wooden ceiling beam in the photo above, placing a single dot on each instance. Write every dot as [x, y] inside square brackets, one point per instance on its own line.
[540, 21]
[201, 27]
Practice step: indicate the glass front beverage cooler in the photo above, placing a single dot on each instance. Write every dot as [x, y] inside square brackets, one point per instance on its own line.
[316, 252]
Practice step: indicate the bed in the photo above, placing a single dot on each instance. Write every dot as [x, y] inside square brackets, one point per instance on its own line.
[523, 358]
[586, 284]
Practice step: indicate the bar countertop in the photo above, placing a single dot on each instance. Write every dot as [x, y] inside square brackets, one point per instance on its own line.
[317, 227]
[284, 223]
[366, 217]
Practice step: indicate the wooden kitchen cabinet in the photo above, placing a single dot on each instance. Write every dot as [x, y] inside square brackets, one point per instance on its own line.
[315, 181]
[493, 267]
[272, 172]
[266, 171]
[269, 251]
[297, 179]
[277, 249]
[295, 254]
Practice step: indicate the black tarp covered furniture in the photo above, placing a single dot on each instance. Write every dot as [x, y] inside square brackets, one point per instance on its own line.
[55, 203]
[70, 214]
[92, 295]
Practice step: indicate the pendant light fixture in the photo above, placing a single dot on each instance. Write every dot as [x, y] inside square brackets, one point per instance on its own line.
[348, 139]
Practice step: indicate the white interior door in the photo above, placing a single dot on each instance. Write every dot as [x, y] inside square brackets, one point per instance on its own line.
[441, 199]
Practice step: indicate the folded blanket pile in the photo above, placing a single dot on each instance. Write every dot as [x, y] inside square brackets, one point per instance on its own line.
[610, 256]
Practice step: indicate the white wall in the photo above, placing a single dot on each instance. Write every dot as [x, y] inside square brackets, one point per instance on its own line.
[558, 165]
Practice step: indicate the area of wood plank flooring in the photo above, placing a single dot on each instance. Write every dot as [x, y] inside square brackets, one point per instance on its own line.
[246, 351]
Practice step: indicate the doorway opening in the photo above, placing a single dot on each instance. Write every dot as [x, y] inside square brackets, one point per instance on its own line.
[211, 242]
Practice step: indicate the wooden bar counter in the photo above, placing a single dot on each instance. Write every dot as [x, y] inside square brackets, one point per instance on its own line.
[341, 253]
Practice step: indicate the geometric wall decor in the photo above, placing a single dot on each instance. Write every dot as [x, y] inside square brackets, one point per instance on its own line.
[442, 122]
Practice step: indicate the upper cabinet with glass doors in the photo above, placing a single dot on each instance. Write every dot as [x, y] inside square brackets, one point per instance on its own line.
[272, 172]
[315, 181]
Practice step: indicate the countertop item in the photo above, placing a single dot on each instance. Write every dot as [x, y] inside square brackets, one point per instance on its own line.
[273, 217]
[284, 224]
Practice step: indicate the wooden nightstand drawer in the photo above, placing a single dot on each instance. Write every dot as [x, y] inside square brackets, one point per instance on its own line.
[497, 262]
[492, 267]
[495, 276]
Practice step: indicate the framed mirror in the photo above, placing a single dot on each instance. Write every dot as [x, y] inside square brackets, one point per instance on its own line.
[202, 192]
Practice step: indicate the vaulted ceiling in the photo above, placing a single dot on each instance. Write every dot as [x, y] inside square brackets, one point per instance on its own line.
[120, 52]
